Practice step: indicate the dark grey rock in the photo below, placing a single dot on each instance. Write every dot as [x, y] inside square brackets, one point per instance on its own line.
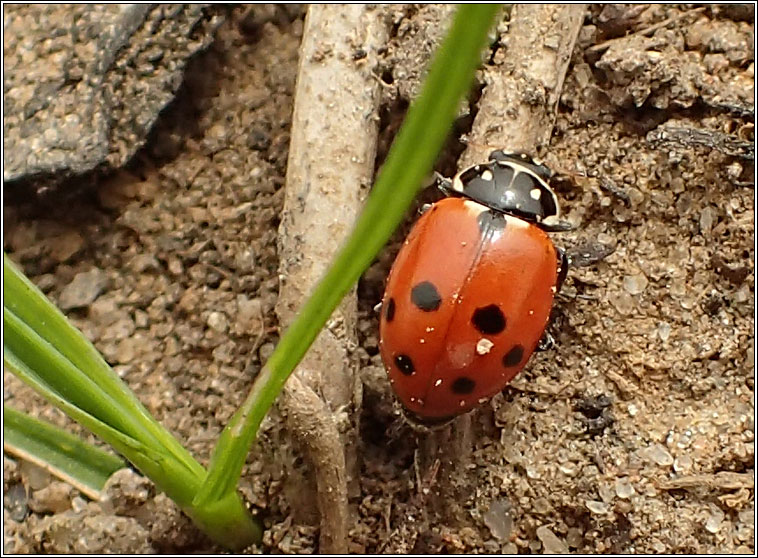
[83, 84]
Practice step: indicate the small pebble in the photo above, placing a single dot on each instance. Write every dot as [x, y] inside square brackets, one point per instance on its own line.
[660, 455]
[664, 331]
[83, 289]
[682, 464]
[126, 351]
[607, 494]
[574, 537]
[550, 542]
[622, 302]
[141, 319]
[78, 504]
[713, 524]
[734, 170]
[483, 346]
[498, 519]
[635, 284]
[265, 352]
[541, 505]
[217, 321]
[596, 507]
[144, 262]
[510, 548]
[175, 266]
[54, 498]
[249, 315]
[624, 488]
[35, 477]
[15, 501]
[244, 261]
[707, 217]
[64, 246]
[46, 282]
[568, 469]
[513, 455]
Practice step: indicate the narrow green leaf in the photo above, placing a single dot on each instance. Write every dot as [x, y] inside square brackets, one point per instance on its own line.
[71, 365]
[165, 472]
[54, 358]
[60, 375]
[68, 457]
[410, 159]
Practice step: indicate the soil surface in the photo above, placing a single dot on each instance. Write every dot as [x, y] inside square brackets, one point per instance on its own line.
[633, 434]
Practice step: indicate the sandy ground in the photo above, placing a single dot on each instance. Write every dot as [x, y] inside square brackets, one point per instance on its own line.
[634, 434]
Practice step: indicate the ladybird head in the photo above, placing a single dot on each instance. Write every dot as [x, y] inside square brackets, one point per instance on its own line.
[512, 183]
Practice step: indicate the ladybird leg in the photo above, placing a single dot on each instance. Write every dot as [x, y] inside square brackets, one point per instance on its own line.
[557, 226]
[564, 261]
[444, 184]
[590, 253]
[545, 343]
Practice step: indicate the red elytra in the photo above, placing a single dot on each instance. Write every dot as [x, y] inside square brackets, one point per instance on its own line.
[467, 300]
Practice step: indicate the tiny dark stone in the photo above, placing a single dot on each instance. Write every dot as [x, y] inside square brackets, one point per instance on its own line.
[426, 297]
[712, 304]
[488, 319]
[592, 406]
[405, 364]
[463, 385]
[514, 356]
[596, 411]
[389, 314]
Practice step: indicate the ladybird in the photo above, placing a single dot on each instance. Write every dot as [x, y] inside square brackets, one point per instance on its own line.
[469, 295]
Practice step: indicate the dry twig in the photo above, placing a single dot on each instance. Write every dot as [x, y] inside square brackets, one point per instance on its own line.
[330, 167]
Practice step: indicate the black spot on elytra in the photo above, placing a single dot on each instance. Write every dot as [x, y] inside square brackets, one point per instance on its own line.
[488, 319]
[405, 364]
[514, 356]
[463, 385]
[389, 313]
[490, 220]
[426, 297]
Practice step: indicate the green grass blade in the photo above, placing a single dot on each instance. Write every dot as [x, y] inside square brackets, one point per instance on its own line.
[68, 457]
[47, 336]
[60, 375]
[54, 358]
[410, 159]
[153, 463]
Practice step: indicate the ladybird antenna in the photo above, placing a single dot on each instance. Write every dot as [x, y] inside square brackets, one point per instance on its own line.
[483, 146]
[444, 184]
[557, 226]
